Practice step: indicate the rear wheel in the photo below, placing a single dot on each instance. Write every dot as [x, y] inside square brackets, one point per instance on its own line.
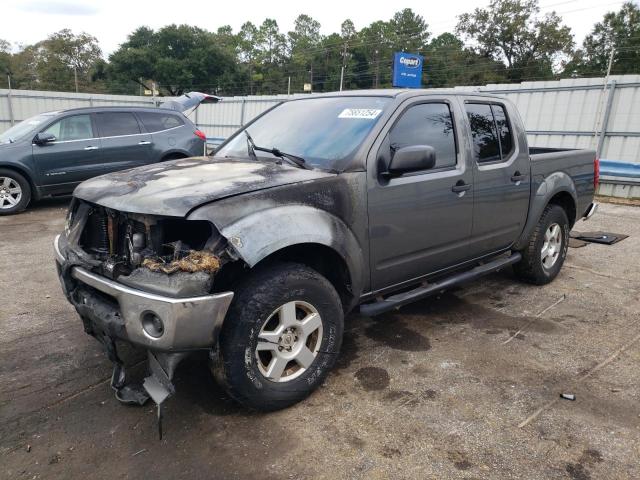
[15, 192]
[281, 337]
[543, 257]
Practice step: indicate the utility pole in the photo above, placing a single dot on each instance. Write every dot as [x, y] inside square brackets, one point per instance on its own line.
[289, 86]
[344, 61]
[9, 100]
[604, 90]
[311, 77]
[75, 76]
[377, 70]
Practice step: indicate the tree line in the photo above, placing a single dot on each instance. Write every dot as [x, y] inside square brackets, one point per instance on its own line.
[509, 41]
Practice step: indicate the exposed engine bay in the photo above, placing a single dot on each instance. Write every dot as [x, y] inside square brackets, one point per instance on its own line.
[165, 255]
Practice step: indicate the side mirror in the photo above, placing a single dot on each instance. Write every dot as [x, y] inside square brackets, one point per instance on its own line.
[43, 138]
[412, 159]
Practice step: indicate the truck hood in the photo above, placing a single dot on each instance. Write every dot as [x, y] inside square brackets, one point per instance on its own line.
[175, 188]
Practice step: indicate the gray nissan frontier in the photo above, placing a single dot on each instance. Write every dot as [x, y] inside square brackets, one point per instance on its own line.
[363, 200]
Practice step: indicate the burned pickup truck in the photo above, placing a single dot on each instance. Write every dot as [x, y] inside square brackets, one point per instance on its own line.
[361, 200]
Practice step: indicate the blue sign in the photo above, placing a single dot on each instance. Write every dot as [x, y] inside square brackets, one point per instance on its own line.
[407, 70]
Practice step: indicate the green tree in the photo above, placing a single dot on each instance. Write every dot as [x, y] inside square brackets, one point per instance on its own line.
[409, 31]
[68, 55]
[448, 63]
[270, 42]
[5, 59]
[64, 61]
[618, 30]
[177, 58]
[271, 45]
[304, 48]
[248, 46]
[513, 31]
[374, 55]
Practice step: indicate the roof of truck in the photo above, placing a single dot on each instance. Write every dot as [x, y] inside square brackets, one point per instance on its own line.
[408, 92]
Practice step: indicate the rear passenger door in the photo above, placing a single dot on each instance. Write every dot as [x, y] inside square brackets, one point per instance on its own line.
[123, 143]
[502, 181]
[420, 222]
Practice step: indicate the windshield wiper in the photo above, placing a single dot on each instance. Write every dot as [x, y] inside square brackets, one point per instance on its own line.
[251, 147]
[292, 159]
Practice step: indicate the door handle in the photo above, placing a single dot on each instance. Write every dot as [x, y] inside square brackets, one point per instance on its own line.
[460, 187]
[144, 142]
[91, 148]
[518, 177]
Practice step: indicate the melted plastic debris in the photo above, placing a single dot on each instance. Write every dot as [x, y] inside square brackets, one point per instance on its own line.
[194, 261]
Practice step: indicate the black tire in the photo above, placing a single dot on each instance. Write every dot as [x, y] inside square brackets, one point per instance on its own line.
[25, 196]
[531, 268]
[236, 364]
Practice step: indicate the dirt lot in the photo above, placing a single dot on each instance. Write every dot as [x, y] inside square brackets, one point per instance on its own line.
[463, 386]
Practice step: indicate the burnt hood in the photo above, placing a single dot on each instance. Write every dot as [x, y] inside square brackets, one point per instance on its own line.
[176, 187]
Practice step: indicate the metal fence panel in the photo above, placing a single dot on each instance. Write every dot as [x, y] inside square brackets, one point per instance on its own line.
[563, 113]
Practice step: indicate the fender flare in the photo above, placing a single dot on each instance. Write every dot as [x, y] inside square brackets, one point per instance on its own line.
[557, 182]
[256, 236]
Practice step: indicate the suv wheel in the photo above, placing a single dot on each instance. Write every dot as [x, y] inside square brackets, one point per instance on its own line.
[281, 337]
[15, 192]
[543, 257]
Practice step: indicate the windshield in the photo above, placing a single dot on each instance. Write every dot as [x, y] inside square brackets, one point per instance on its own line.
[324, 131]
[21, 129]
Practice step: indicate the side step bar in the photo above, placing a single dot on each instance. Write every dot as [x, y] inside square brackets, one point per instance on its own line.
[401, 299]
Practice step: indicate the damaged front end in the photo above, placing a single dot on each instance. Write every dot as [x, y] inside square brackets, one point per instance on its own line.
[146, 280]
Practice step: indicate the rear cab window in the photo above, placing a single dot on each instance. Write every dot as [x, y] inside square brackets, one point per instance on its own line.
[427, 124]
[158, 121]
[114, 124]
[491, 132]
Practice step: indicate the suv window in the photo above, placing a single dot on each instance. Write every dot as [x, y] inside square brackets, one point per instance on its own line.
[155, 122]
[113, 124]
[427, 124]
[492, 138]
[77, 127]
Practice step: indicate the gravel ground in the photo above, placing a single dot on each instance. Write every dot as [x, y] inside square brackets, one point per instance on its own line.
[462, 386]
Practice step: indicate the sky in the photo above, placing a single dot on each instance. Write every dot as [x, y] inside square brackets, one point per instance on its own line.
[28, 21]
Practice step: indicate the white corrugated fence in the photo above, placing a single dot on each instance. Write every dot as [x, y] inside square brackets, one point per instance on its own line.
[569, 113]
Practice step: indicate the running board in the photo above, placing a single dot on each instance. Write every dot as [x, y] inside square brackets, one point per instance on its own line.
[401, 299]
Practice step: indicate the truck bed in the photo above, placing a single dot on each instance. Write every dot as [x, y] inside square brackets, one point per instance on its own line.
[576, 163]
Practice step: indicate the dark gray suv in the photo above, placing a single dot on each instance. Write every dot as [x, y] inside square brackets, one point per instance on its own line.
[51, 153]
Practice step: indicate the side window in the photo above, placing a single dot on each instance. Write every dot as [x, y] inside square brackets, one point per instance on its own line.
[113, 124]
[483, 130]
[77, 127]
[155, 122]
[427, 124]
[504, 131]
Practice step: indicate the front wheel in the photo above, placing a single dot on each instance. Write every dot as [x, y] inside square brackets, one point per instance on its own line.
[543, 257]
[281, 337]
[15, 192]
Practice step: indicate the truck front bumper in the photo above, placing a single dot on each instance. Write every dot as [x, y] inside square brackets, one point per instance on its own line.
[155, 322]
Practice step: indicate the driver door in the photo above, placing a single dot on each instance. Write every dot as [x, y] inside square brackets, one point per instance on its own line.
[420, 222]
[75, 154]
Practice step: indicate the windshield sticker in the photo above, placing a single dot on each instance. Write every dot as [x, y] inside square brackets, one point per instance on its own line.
[366, 113]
